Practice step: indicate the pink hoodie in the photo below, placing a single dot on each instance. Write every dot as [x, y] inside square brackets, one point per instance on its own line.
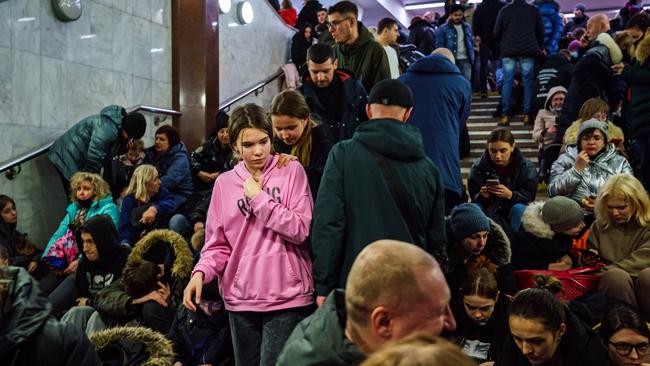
[256, 246]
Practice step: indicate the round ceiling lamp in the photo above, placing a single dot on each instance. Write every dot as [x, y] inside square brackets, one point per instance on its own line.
[245, 12]
[225, 6]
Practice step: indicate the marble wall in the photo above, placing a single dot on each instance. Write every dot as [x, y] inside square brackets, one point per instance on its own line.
[52, 74]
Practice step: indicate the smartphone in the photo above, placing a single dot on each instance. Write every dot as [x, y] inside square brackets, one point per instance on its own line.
[492, 182]
[589, 253]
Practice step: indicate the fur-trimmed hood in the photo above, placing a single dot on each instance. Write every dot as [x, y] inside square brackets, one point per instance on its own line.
[159, 348]
[643, 50]
[533, 222]
[183, 261]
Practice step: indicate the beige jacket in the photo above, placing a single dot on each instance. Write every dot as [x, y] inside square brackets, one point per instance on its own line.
[546, 119]
[626, 246]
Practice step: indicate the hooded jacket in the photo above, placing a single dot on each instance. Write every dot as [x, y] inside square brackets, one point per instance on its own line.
[514, 29]
[211, 157]
[626, 246]
[592, 77]
[638, 79]
[114, 305]
[447, 37]
[30, 336]
[440, 113]
[320, 338]
[365, 58]
[485, 18]
[565, 180]
[352, 107]
[103, 206]
[142, 345]
[537, 245]
[174, 169]
[355, 206]
[546, 119]
[553, 24]
[579, 346]
[257, 246]
[556, 71]
[94, 276]
[308, 14]
[423, 36]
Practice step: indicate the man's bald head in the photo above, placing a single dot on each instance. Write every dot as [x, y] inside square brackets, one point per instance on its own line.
[596, 25]
[445, 52]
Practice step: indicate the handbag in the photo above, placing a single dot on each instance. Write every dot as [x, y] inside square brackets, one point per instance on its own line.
[62, 252]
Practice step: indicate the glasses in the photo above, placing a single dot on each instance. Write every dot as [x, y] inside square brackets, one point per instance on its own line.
[624, 349]
[334, 24]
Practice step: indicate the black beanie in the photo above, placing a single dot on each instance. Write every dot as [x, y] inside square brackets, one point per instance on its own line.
[134, 124]
[221, 121]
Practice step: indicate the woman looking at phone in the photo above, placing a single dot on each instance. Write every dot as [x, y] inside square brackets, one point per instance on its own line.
[503, 178]
[621, 236]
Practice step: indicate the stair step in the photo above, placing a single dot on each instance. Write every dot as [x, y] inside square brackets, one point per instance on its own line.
[490, 126]
[515, 132]
[488, 98]
[493, 103]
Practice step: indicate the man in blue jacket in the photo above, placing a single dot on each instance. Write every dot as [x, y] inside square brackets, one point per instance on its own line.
[456, 36]
[442, 101]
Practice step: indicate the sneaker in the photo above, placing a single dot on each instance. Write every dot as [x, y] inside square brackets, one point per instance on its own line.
[526, 119]
[504, 121]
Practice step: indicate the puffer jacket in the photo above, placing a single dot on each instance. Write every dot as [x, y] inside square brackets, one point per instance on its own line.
[520, 30]
[546, 119]
[553, 24]
[423, 36]
[174, 170]
[565, 180]
[88, 145]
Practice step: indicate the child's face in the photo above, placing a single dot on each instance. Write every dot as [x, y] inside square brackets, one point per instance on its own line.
[254, 147]
[85, 190]
[133, 156]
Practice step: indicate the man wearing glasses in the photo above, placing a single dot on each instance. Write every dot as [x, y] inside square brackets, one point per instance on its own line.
[356, 48]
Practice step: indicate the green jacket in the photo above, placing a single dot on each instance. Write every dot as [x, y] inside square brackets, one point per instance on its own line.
[638, 79]
[355, 207]
[366, 58]
[320, 338]
[89, 144]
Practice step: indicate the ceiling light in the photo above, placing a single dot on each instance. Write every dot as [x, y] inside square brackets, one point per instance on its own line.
[424, 6]
[245, 12]
[224, 6]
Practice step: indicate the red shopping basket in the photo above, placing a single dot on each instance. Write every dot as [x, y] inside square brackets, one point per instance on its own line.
[576, 282]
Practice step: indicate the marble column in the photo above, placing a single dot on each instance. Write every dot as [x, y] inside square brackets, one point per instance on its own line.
[195, 68]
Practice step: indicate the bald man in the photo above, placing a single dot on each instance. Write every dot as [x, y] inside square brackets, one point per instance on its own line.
[394, 289]
[596, 25]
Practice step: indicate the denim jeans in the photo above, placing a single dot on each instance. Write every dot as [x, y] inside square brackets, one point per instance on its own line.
[527, 66]
[465, 68]
[486, 54]
[180, 224]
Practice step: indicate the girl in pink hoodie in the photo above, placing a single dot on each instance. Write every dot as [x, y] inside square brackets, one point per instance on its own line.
[257, 225]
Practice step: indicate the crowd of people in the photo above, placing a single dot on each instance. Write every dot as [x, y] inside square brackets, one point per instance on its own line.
[333, 226]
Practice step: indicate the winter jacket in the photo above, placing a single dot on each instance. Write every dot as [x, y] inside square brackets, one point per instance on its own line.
[565, 180]
[440, 113]
[257, 246]
[447, 37]
[490, 335]
[628, 11]
[535, 244]
[94, 276]
[320, 338]
[20, 249]
[553, 24]
[485, 18]
[546, 119]
[365, 58]
[592, 77]
[290, 16]
[522, 181]
[579, 346]
[164, 203]
[299, 46]
[174, 169]
[571, 134]
[454, 260]
[137, 346]
[88, 145]
[638, 79]
[323, 34]
[30, 336]
[520, 30]
[211, 157]
[103, 206]
[622, 246]
[576, 23]
[321, 144]
[353, 99]
[423, 36]
[556, 71]
[355, 206]
[308, 14]
[115, 306]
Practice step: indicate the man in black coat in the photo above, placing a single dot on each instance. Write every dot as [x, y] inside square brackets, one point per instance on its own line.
[308, 13]
[485, 18]
[29, 335]
[422, 35]
[333, 94]
[579, 20]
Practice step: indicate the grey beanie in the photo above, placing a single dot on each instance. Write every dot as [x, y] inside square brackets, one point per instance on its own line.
[467, 219]
[562, 213]
[594, 123]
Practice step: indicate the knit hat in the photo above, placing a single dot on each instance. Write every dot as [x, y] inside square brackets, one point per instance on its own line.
[581, 7]
[391, 92]
[221, 120]
[573, 45]
[467, 219]
[134, 124]
[593, 123]
[562, 213]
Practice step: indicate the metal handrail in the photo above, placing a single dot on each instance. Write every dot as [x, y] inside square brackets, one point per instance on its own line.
[34, 153]
[258, 88]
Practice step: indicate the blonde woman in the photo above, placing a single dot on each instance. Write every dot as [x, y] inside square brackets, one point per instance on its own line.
[621, 237]
[145, 201]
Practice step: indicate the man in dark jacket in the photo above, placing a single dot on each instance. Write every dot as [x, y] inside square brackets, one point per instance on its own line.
[579, 20]
[356, 204]
[323, 34]
[308, 13]
[485, 18]
[356, 48]
[440, 114]
[556, 71]
[91, 143]
[520, 31]
[29, 335]
[333, 94]
[394, 289]
[422, 35]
